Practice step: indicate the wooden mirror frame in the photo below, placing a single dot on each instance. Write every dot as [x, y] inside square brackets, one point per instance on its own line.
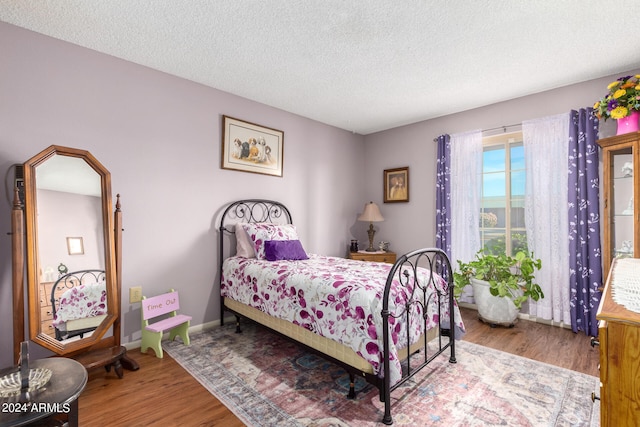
[33, 266]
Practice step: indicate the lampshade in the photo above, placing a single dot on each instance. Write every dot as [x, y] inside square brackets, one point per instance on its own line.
[371, 213]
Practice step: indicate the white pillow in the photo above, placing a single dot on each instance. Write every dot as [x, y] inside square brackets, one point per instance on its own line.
[244, 245]
[261, 232]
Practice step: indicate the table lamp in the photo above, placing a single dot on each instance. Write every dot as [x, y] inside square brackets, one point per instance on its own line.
[371, 214]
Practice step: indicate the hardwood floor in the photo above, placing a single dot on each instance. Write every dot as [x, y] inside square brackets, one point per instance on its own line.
[544, 343]
[162, 393]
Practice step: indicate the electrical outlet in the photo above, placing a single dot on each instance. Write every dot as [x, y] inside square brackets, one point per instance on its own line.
[135, 294]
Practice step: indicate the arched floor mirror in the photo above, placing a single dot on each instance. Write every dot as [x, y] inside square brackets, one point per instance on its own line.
[70, 238]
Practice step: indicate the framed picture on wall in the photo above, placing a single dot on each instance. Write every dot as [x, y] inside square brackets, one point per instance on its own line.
[75, 246]
[249, 147]
[396, 185]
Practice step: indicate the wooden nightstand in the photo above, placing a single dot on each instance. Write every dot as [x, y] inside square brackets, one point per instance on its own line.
[389, 257]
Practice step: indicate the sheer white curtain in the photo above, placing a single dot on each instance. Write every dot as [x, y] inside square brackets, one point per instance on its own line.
[546, 211]
[466, 188]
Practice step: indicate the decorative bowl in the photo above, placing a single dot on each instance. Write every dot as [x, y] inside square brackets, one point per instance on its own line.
[10, 384]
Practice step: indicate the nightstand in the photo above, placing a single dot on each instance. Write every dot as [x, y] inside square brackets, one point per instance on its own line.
[389, 257]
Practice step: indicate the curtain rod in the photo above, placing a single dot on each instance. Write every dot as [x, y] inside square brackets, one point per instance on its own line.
[504, 129]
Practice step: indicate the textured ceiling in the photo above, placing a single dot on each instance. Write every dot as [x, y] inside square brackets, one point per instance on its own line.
[363, 66]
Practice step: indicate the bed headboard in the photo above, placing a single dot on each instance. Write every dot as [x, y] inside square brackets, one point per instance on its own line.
[73, 279]
[251, 211]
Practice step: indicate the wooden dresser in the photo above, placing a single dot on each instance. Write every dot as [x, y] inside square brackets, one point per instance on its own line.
[46, 310]
[619, 336]
[388, 257]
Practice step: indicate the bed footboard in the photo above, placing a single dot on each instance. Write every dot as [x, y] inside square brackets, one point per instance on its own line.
[440, 279]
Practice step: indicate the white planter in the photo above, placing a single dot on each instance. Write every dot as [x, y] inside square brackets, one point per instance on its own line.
[493, 310]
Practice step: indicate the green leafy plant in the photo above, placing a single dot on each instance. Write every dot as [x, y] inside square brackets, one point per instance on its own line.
[498, 245]
[512, 277]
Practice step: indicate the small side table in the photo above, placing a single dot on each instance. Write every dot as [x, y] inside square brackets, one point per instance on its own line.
[57, 399]
[388, 257]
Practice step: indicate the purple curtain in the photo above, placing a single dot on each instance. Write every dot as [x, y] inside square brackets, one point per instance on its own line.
[585, 257]
[443, 195]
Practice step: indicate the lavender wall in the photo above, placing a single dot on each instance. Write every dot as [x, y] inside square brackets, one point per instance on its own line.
[62, 215]
[160, 138]
[413, 146]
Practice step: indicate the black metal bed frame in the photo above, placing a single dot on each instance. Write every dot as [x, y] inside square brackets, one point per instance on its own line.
[405, 271]
[71, 280]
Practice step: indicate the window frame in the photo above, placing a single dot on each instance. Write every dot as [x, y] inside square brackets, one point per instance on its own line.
[505, 141]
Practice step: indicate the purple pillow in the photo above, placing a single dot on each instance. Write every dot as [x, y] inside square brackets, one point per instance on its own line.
[277, 250]
[261, 232]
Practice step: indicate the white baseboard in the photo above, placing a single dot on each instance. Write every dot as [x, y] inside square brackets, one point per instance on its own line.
[209, 325]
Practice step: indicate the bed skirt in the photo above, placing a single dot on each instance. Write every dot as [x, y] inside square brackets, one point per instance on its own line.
[322, 344]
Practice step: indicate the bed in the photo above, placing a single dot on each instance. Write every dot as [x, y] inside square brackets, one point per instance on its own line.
[79, 303]
[380, 321]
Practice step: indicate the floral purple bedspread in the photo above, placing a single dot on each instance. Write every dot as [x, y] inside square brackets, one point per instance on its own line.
[82, 301]
[336, 298]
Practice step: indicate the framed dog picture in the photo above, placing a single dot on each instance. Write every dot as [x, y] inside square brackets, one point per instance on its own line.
[396, 185]
[249, 147]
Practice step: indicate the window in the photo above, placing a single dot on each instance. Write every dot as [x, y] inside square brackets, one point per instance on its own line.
[502, 228]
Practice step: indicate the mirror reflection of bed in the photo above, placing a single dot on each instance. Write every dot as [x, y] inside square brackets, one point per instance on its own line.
[78, 302]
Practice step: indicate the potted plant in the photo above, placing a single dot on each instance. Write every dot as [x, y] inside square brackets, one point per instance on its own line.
[501, 283]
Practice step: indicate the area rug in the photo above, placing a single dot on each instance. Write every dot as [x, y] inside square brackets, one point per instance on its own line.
[266, 380]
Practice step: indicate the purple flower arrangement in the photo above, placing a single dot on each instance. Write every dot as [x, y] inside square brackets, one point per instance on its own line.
[622, 100]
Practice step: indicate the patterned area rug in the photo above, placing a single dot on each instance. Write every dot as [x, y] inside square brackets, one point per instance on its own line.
[267, 381]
